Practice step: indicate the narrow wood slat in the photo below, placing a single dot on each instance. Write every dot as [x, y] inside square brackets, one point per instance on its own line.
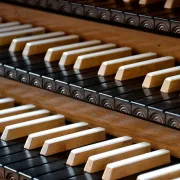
[41, 46]
[15, 28]
[19, 43]
[172, 4]
[22, 118]
[111, 66]
[69, 57]
[37, 140]
[157, 78]
[9, 24]
[98, 162]
[171, 84]
[16, 110]
[96, 59]
[54, 54]
[166, 173]
[136, 164]
[6, 103]
[6, 38]
[142, 68]
[147, 2]
[71, 141]
[81, 155]
[23, 129]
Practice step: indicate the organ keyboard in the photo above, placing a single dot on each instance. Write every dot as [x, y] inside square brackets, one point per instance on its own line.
[124, 75]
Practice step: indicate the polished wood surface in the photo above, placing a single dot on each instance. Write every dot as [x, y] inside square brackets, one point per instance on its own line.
[115, 123]
[88, 30]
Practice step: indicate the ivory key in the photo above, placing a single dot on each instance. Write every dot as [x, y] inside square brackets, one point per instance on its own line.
[171, 84]
[9, 24]
[15, 28]
[142, 68]
[23, 129]
[111, 66]
[166, 173]
[98, 162]
[157, 78]
[22, 118]
[37, 140]
[6, 103]
[136, 164]
[19, 43]
[71, 141]
[96, 59]
[81, 155]
[41, 46]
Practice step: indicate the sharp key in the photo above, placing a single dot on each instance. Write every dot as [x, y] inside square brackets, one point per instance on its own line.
[37, 140]
[23, 129]
[98, 162]
[6, 38]
[166, 173]
[16, 110]
[22, 118]
[71, 141]
[19, 43]
[136, 164]
[142, 68]
[54, 54]
[42, 46]
[111, 67]
[157, 78]
[6, 103]
[171, 84]
[172, 4]
[81, 155]
[96, 59]
[147, 2]
[176, 179]
[15, 28]
[69, 57]
[8, 24]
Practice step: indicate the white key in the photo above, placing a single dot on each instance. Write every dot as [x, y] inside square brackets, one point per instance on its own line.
[16, 110]
[71, 141]
[136, 164]
[22, 118]
[15, 28]
[147, 2]
[111, 66]
[81, 155]
[96, 59]
[166, 173]
[142, 68]
[54, 54]
[19, 43]
[171, 84]
[41, 46]
[9, 24]
[23, 129]
[172, 4]
[6, 38]
[157, 78]
[69, 57]
[98, 162]
[6, 103]
[37, 140]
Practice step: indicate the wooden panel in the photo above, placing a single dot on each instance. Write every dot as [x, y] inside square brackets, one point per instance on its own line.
[88, 30]
[74, 110]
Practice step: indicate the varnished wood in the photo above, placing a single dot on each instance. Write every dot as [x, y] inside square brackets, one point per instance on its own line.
[6, 103]
[140, 41]
[115, 123]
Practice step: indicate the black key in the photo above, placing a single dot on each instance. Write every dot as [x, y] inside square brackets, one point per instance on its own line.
[140, 106]
[64, 173]
[107, 96]
[87, 176]
[123, 102]
[92, 92]
[173, 118]
[157, 111]
[77, 88]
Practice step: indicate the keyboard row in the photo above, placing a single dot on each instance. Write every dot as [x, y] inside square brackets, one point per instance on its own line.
[142, 85]
[157, 16]
[38, 145]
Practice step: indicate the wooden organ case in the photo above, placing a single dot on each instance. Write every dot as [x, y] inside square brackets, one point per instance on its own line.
[89, 89]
